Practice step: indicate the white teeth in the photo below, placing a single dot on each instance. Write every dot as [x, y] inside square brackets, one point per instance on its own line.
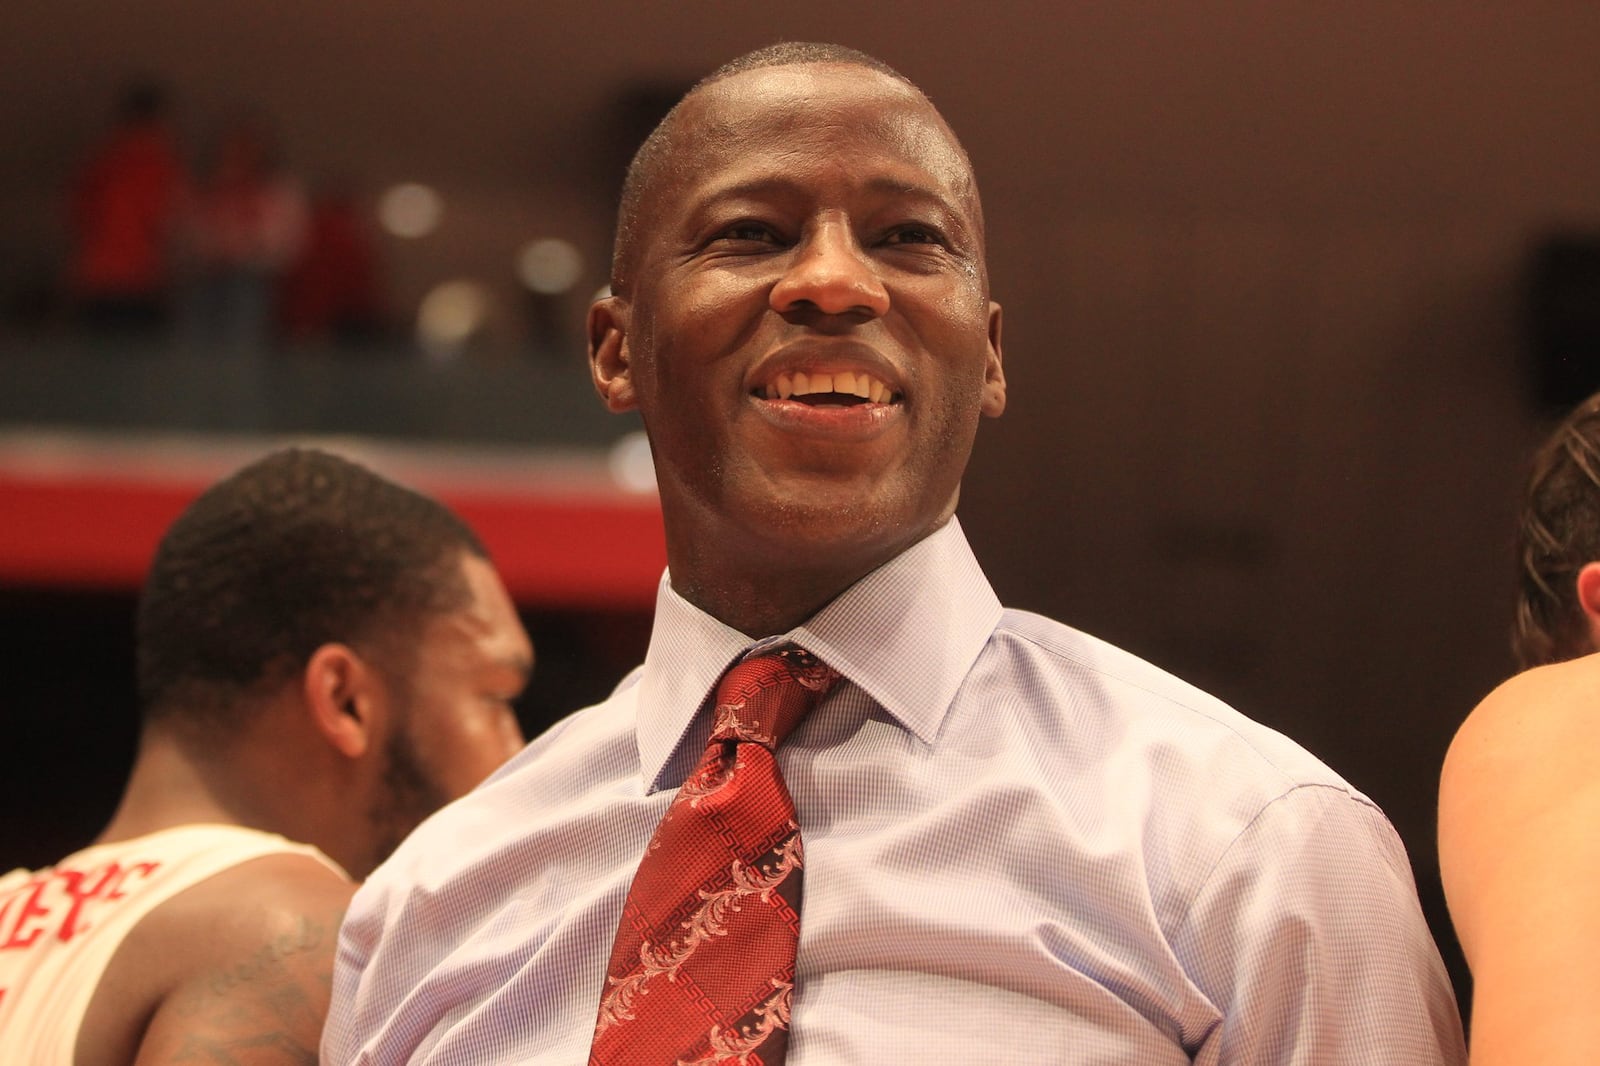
[845, 382]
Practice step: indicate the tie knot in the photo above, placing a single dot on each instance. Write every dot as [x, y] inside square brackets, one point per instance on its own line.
[762, 699]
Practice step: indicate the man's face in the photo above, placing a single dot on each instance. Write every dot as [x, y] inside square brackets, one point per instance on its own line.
[808, 334]
[453, 714]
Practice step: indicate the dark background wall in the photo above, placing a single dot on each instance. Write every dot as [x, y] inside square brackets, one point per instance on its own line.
[1262, 268]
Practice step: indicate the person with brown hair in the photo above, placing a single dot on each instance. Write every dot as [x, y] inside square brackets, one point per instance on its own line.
[324, 659]
[1519, 797]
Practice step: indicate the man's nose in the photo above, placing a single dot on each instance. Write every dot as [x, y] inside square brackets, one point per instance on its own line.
[833, 274]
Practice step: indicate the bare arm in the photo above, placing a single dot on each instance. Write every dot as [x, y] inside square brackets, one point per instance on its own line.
[1519, 850]
[236, 970]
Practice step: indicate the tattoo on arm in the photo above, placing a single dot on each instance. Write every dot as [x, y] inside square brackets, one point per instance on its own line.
[267, 1007]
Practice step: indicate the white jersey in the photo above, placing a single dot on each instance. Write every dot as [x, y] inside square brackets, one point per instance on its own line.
[60, 926]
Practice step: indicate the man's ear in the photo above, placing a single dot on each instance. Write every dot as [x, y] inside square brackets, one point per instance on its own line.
[609, 356]
[1588, 581]
[994, 377]
[345, 698]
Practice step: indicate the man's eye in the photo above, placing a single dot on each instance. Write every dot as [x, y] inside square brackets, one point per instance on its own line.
[749, 231]
[914, 235]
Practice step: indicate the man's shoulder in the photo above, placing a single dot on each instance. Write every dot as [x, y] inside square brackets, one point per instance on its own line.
[241, 958]
[251, 906]
[1123, 743]
[255, 905]
[1107, 688]
[582, 751]
[1078, 652]
[608, 724]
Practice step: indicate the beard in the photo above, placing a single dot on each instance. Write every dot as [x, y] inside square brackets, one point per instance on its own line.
[407, 796]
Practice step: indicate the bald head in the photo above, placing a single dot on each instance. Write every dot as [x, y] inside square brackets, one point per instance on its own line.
[660, 158]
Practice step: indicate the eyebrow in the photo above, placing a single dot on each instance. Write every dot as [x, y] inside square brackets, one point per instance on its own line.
[960, 217]
[785, 185]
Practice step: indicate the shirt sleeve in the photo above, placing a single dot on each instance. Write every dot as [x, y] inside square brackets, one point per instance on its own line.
[349, 964]
[1309, 939]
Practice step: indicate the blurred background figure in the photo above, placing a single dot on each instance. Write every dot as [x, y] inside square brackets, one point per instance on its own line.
[124, 204]
[332, 291]
[247, 223]
[324, 658]
[1520, 794]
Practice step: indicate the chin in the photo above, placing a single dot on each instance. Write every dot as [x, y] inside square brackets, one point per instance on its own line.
[846, 526]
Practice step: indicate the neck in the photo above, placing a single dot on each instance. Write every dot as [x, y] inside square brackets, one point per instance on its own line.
[764, 565]
[754, 592]
[264, 778]
[750, 606]
[168, 788]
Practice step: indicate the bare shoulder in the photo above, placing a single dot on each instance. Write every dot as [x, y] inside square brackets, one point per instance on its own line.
[1519, 800]
[237, 969]
[1527, 735]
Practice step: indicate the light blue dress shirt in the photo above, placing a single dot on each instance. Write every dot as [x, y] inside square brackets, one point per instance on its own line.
[1022, 846]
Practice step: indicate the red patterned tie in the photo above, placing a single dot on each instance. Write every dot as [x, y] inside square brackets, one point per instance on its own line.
[702, 969]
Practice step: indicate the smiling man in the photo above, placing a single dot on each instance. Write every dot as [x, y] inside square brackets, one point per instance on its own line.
[1017, 843]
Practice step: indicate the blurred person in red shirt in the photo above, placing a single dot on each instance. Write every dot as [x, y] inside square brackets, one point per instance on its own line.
[246, 223]
[331, 292]
[125, 202]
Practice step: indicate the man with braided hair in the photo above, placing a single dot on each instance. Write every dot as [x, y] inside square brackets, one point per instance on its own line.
[324, 658]
[1519, 796]
[851, 809]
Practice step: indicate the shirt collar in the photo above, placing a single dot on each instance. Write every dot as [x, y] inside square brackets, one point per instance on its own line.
[906, 634]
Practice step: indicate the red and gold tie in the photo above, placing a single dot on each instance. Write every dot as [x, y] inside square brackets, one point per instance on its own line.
[702, 968]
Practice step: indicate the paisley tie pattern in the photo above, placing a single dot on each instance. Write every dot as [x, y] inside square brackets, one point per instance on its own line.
[702, 967]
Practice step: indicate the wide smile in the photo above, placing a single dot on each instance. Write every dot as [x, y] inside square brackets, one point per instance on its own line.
[843, 388]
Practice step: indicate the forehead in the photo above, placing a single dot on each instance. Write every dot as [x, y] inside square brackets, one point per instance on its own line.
[487, 623]
[801, 120]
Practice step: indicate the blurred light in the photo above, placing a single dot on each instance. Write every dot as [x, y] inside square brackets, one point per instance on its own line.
[602, 293]
[410, 210]
[449, 316]
[631, 464]
[549, 266]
